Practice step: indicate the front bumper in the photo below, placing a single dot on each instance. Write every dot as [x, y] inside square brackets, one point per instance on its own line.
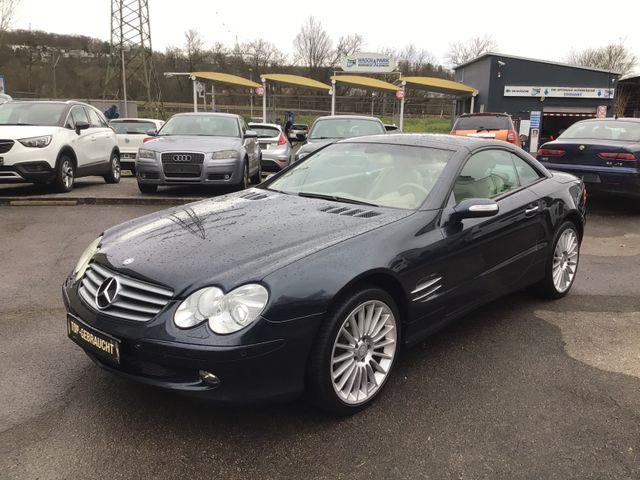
[33, 172]
[212, 172]
[265, 362]
[619, 181]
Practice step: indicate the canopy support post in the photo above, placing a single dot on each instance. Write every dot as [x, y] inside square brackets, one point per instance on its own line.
[195, 94]
[404, 94]
[333, 97]
[264, 101]
[213, 98]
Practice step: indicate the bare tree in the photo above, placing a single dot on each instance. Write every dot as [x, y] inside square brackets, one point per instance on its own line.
[313, 47]
[193, 48]
[347, 45]
[461, 52]
[7, 12]
[260, 54]
[615, 57]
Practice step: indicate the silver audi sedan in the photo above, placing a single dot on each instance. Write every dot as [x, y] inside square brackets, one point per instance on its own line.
[200, 148]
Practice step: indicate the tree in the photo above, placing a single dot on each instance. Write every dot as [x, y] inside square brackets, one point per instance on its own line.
[347, 45]
[461, 52]
[615, 57]
[7, 12]
[193, 48]
[312, 45]
[260, 54]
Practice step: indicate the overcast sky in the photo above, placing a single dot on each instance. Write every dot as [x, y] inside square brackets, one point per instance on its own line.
[546, 29]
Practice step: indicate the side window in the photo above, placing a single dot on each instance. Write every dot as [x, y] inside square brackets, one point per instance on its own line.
[526, 173]
[76, 115]
[487, 174]
[94, 118]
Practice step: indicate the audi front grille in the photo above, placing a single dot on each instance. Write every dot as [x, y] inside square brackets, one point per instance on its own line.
[135, 300]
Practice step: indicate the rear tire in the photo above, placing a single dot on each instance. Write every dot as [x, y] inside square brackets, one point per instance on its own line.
[114, 170]
[65, 175]
[147, 187]
[257, 178]
[354, 352]
[562, 264]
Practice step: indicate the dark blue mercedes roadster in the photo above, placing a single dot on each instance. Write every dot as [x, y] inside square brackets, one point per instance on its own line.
[320, 277]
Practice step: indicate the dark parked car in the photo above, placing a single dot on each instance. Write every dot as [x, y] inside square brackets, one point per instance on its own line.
[326, 130]
[200, 148]
[377, 242]
[605, 153]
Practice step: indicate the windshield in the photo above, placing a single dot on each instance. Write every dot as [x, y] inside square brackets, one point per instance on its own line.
[265, 132]
[395, 176]
[483, 122]
[604, 130]
[345, 128]
[201, 125]
[133, 127]
[32, 113]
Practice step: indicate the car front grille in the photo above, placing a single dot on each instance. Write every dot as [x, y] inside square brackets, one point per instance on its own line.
[135, 300]
[6, 145]
[182, 164]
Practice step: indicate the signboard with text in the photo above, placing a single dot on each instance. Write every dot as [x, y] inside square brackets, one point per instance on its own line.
[558, 92]
[368, 63]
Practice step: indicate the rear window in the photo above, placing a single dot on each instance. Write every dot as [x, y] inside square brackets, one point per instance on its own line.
[345, 128]
[483, 122]
[604, 130]
[133, 128]
[265, 132]
[300, 127]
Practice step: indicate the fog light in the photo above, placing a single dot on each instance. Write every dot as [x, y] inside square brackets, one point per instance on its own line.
[227, 177]
[210, 378]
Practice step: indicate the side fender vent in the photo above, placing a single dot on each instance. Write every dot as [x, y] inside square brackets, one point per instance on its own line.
[254, 196]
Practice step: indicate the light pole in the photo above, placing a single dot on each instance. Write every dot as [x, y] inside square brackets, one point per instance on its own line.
[373, 96]
[251, 92]
[193, 80]
[264, 100]
[124, 83]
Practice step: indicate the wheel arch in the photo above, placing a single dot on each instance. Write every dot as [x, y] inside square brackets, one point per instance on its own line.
[575, 218]
[67, 150]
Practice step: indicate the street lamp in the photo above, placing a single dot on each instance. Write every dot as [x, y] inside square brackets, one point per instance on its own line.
[193, 79]
[251, 92]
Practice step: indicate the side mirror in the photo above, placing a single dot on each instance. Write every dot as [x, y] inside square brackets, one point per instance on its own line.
[81, 126]
[250, 134]
[152, 133]
[473, 208]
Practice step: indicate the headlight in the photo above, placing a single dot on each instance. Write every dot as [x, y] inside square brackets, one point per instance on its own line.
[36, 142]
[85, 258]
[224, 154]
[225, 313]
[147, 154]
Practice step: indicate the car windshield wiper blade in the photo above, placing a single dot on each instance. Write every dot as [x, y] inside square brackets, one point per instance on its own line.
[335, 198]
[483, 129]
[324, 138]
[20, 124]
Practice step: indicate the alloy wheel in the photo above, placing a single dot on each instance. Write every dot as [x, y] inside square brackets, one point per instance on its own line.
[67, 174]
[363, 352]
[565, 260]
[115, 168]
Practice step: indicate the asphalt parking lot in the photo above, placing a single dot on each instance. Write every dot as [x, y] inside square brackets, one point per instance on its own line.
[522, 388]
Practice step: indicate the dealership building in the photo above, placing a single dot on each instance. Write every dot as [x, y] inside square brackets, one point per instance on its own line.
[543, 98]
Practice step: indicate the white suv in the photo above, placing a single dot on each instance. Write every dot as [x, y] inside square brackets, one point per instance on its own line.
[56, 142]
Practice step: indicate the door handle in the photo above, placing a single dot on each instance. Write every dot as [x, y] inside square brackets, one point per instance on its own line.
[531, 210]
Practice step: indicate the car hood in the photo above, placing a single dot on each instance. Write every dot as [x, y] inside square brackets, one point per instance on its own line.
[193, 143]
[25, 131]
[233, 239]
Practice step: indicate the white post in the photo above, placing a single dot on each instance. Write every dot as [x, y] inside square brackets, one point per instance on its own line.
[213, 98]
[124, 85]
[264, 100]
[195, 94]
[473, 101]
[333, 97]
[404, 92]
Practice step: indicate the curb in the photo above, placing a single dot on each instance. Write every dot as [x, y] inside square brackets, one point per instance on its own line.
[73, 201]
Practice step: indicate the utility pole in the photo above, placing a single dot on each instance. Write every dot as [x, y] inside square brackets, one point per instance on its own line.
[131, 33]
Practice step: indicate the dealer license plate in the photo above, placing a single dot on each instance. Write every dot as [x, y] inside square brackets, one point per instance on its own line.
[591, 178]
[93, 340]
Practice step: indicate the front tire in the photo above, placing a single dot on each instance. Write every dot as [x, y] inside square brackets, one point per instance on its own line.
[562, 265]
[355, 352]
[65, 175]
[245, 181]
[114, 170]
[147, 188]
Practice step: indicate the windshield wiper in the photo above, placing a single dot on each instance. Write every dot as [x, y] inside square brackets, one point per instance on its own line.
[20, 124]
[324, 138]
[335, 198]
[482, 129]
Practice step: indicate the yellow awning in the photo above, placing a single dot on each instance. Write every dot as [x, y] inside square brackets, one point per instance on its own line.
[226, 78]
[295, 80]
[440, 85]
[365, 82]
